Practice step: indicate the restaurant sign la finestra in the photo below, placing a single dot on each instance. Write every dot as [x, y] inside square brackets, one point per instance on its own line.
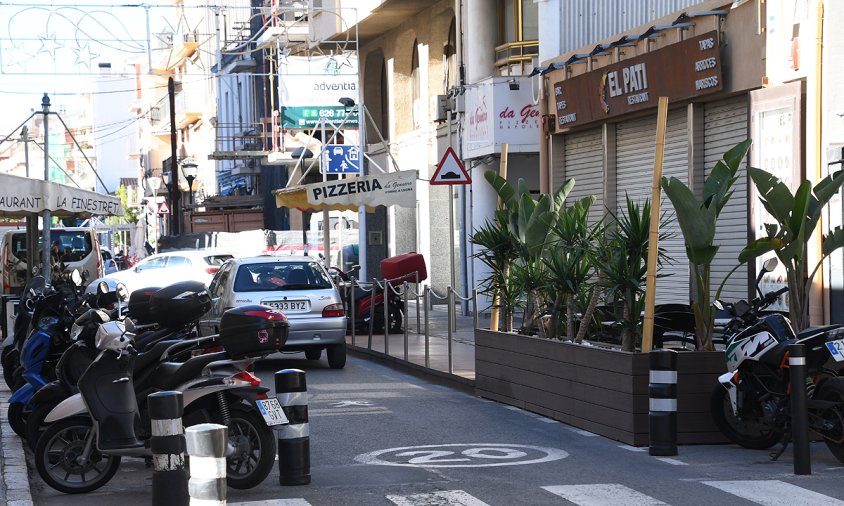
[680, 71]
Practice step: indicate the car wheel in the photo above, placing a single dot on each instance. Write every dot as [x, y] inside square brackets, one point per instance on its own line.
[313, 354]
[336, 356]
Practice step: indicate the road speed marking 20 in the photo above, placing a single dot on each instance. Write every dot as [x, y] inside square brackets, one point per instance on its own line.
[462, 455]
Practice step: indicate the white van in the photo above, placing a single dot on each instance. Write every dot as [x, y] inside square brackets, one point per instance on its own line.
[79, 247]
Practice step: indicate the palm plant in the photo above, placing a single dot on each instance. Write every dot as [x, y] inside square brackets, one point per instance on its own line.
[498, 251]
[570, 261]
[796, 216]
[697, 220]
[622, 266]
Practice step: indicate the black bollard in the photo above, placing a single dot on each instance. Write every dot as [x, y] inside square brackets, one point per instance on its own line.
[169, 477]
[294, 447]
[662, 390]
[799, 409]
[207, 444]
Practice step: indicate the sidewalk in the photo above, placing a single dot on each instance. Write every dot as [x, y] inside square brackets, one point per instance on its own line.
[412, 356]
[15, 482]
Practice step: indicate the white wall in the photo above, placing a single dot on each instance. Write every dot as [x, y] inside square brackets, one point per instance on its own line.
[115, 134]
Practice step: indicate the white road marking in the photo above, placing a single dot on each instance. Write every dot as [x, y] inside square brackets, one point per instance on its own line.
[673, 462]
[632, 448]
[462, 455]
[356, 395]
[444, 498]
[582, 432]
[602, 494]
[344, 404]
[774, 493]
[273, 502]
[547, 420]
[357, 387]
[348, 411]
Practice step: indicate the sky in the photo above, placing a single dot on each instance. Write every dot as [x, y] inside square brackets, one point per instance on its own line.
[55, 48]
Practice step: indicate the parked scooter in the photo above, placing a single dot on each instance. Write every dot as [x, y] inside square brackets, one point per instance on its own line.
[364, 300]
[751, 405]
[11, 352]
[89, 432]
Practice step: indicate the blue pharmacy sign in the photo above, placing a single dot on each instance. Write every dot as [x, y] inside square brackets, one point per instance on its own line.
[341, 159]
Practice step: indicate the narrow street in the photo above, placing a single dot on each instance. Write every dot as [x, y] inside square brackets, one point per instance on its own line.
[381, 437]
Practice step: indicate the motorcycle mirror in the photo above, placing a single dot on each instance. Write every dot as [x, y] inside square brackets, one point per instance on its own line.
[102, 288]
[76, 277]
[130, 325]
[718, 305]
[770, 264]
[122, 292]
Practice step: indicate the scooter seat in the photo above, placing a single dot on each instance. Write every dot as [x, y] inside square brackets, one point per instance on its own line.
[149, 338]
[169, 375]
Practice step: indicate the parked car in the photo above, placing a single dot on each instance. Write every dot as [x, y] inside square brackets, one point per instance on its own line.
[109, 263]
[300, 287]
[78, 248]
[164, 269]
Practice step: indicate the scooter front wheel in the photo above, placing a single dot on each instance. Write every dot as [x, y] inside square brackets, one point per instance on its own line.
[17, 415]
[63, 462]
[254, 449]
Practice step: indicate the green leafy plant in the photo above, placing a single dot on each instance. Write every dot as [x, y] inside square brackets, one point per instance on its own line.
[697, 219]
[497, 252]
[622, 267]
[796, 216]
[570, 262]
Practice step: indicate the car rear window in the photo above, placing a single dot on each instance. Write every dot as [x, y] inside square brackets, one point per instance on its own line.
[75, 245]
[217, 260]
[275, 276]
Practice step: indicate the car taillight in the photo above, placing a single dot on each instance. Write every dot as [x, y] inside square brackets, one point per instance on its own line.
[212, 270]
[276, 316]
[248, 377]
[333, 310]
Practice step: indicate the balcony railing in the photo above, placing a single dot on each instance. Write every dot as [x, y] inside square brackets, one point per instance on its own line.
[514, 57]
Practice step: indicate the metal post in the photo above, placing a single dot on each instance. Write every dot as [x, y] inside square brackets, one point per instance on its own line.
[45, 215]
[416, 300]
[799, 408]
[175, 195]
[662, 390]
[350, 292]
[450, 298]
[294, 444]
[405, 287]
[206, 445]
[475, 308]
[425, 297]
[169, 477]
[371, 311]
[386, 319]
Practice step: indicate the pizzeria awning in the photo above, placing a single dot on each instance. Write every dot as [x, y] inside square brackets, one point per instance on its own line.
[388, 189]
[21, 197]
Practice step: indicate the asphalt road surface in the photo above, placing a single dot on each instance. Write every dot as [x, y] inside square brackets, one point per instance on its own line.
[381, 437]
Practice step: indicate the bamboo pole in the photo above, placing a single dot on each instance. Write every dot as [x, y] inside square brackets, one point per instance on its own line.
[502, 171]
[653, 241]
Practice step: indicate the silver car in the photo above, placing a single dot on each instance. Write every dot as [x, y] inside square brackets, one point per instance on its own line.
[300, 287]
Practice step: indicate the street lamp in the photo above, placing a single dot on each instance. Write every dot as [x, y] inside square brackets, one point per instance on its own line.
[165, 175]
[189, 170]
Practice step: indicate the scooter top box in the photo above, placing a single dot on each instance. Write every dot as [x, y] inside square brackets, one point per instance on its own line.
[179, 304]
[139, 307]
[403, 268]
[252, 331]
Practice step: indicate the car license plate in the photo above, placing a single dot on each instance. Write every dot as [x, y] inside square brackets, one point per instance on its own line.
[836, 349]
[289, 305]
[271, 411]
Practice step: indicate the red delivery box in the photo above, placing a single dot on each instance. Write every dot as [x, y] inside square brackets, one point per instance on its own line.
[404, 268]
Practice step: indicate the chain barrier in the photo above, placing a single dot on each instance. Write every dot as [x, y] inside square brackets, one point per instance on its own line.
[388, 288]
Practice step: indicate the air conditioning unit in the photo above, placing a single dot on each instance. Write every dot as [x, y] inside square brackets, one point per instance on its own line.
[440, 107]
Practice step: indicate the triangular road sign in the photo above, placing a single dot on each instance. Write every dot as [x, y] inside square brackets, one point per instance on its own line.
[450, 170]
[163, 209]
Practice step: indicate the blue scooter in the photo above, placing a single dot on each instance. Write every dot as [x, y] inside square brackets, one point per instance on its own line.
[51, 319]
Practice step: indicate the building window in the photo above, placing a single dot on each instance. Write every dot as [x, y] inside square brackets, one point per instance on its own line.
[416, 87]
[518, 34]
[450, 58]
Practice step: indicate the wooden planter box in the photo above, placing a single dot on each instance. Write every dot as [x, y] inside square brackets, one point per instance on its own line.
[601, 390]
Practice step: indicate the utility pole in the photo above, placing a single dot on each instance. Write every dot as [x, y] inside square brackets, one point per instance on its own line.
[174, 193]
[31, 220]
[45, 226]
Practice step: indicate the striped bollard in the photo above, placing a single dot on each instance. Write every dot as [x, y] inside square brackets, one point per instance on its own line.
[294, 447]
[206, 444]
[169, 477]
[799, 409]
[662, 390]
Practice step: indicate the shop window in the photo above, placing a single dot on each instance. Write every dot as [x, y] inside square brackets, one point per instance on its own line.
[518, 34]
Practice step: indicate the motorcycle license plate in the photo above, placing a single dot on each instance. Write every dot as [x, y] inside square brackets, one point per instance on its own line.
[271, 411]
[836, 349]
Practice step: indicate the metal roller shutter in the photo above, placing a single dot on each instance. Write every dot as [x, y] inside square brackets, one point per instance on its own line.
[584, 162]
[725, 125]
[635, 160]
